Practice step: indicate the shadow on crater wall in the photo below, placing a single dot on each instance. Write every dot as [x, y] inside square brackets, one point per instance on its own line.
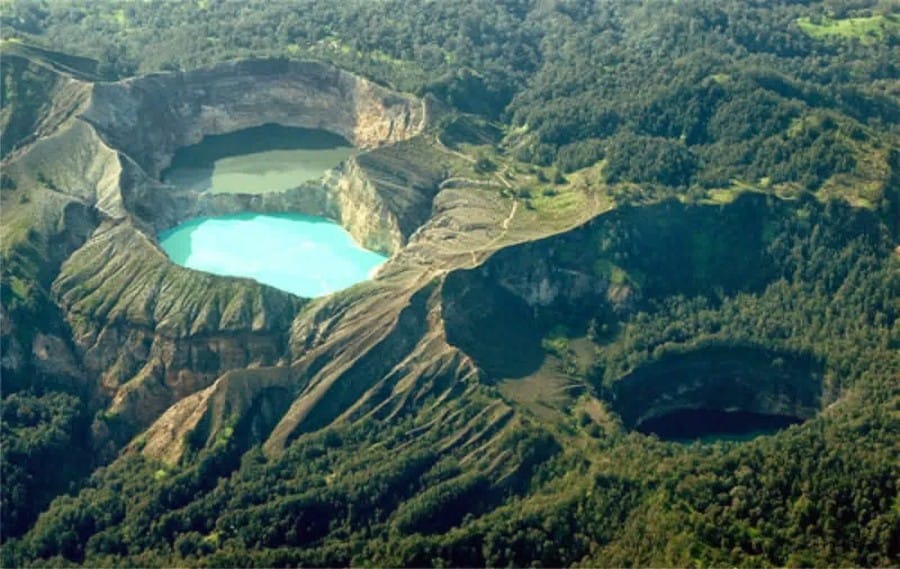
[261, 138]
[493, 326]
[718, 390]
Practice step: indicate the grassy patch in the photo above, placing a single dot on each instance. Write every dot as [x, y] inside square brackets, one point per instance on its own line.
[224, 436]
[547, 393]
[613, 273]
[20, 289]
[557, 201]
[557, 341]
[721, 196]
[18, 218]
[867, 29]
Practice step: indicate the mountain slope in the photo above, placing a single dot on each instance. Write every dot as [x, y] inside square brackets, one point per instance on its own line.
[598, 215]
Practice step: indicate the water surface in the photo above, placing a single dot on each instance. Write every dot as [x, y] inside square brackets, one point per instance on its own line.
[269, 158]
[305, 255]
[709, 425]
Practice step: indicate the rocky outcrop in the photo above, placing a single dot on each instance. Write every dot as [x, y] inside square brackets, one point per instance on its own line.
[149, 117]
[75, 162]
[364, 213]
[153, 332]
[380, 196]
[148, 333]
[211, 415]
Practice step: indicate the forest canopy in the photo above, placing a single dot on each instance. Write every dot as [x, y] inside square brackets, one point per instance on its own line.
[789, 94]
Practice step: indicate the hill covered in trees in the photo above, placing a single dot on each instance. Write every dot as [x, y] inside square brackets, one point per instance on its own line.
[721, 178]
[702, 94]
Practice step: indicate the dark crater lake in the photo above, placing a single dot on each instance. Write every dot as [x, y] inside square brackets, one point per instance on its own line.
[714, 424]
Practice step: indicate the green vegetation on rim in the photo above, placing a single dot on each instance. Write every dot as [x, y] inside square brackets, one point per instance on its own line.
[866, 29]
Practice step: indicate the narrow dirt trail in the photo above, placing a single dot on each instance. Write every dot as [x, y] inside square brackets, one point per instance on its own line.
[509, 218]
[445, 148]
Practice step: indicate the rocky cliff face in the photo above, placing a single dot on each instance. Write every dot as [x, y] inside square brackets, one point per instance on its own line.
[152, 332]
[381, 196]
[149, 117]
[136, 331]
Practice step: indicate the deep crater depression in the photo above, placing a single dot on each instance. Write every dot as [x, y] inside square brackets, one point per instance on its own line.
[303, 254]
[715, 392]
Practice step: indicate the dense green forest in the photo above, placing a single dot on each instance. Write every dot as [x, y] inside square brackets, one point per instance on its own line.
[693, 101]
[822, 493]
[703, 93]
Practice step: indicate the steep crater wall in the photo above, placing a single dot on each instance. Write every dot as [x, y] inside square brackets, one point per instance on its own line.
[743, 379]
[144, 332]
[605, 269]
[150, 117]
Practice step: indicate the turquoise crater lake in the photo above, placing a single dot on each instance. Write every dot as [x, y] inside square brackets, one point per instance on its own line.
[307, 256]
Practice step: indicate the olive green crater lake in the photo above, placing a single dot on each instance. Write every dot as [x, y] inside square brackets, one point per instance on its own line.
[304, 255]
[268, 158]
